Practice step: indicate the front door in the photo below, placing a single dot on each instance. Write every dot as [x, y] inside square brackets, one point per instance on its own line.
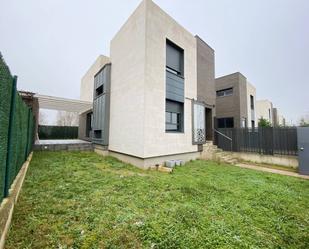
[303, 150]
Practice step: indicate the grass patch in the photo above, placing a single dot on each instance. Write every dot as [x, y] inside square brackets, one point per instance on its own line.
[83, 200]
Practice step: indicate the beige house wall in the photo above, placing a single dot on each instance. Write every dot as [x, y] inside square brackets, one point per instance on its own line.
[251, 114]
[159, 27]
[87, 83]
[127, 107]
[263, 108]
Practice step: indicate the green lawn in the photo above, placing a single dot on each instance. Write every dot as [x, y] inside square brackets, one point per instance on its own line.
[82, 200]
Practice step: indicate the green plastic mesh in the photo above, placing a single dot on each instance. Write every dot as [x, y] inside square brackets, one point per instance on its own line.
[13, 155]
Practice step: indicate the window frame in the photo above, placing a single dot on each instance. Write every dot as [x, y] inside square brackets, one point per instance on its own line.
[179, 72]
[224, 91]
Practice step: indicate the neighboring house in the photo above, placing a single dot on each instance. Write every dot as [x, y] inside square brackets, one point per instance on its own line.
[264, 109]
[235, 102]
[154, 97]
[278, 120]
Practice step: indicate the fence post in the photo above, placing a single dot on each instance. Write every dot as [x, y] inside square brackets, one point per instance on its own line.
[10, 134]
[27, 142]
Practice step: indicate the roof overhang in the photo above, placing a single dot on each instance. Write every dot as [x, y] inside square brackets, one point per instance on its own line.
[63, 104]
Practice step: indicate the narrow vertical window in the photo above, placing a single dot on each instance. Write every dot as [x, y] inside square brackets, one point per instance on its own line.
[174, 112]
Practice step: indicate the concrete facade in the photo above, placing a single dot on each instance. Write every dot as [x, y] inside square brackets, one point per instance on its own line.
[275, 117]
[138, 69]
[264, 109]
[278, 119]
[236, 105]
[86, 87]
[206, 90]
[251, 112]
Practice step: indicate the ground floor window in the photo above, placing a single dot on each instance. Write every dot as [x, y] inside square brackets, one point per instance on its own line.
[173, 116]
[225, 122]
[172, 121]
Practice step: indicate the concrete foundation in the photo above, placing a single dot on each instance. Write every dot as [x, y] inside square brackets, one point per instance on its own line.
[146, 163]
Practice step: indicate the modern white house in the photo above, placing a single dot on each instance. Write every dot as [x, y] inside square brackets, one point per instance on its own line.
[264, 109]
[154, 96]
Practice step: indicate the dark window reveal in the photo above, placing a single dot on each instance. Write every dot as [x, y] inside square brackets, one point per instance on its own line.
[225, 92]
[252, 102]
[174, 58]
[225, 122]
[97, 134]
[99, 90]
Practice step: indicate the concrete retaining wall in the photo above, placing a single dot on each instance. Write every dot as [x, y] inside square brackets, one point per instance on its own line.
[288, 161]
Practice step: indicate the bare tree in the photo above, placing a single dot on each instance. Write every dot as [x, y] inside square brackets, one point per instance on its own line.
[67, 118]
[42, 118]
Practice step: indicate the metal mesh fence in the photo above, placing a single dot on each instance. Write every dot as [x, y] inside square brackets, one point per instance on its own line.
[58, 132]
[16, 130]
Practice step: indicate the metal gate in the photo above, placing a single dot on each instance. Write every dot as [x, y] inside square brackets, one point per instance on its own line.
[303, 149]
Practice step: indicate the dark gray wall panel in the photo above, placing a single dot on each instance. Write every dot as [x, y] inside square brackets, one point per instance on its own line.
[174, 87]
[101, 105]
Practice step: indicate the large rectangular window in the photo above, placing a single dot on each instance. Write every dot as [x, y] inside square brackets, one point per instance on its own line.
[173, 116]
[225, 122]
[174, 58]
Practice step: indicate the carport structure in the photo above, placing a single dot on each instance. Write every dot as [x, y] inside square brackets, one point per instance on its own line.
[62, 104]
[39, 101]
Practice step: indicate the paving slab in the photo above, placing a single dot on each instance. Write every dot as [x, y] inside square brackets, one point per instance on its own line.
[275, 171]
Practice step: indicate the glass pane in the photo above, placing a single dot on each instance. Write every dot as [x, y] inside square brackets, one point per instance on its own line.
[220, 93]
[174, 118]
[171, 127]
[221, 123]
[168, 117]
[229, 91]
[229, 122]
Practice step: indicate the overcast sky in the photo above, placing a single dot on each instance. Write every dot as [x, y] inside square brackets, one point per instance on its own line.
[50, 44]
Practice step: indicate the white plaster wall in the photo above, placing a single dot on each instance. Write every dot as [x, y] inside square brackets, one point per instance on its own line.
[128, 86]
[251, 91]
[87, 82]
[262, 107]
[159, 27]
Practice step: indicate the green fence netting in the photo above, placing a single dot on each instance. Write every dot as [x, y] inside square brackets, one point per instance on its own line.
[16, 130]
[58, 132]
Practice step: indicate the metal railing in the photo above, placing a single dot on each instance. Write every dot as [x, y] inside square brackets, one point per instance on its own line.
[262, 140]
[225, 136]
